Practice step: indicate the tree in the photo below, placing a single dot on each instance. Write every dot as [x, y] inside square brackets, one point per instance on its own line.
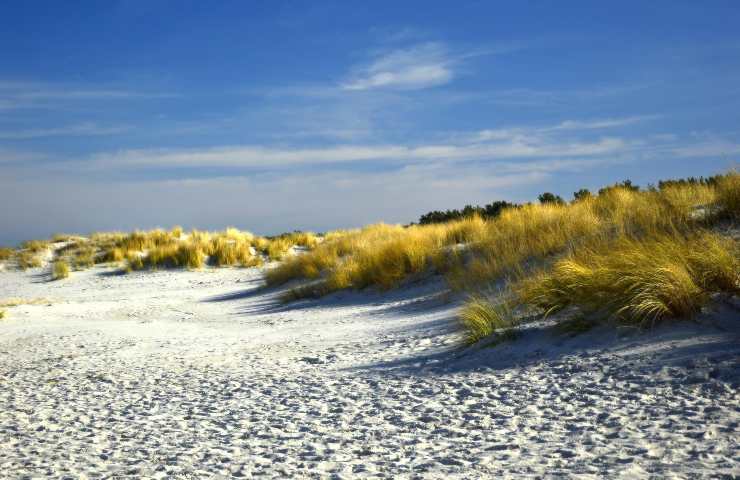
[581, 194]
[548, 197]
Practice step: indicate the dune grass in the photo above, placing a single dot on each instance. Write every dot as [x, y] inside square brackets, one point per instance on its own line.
[2, 314]
[481, 318]
[638, 281]
[60, 269]
[159, 248]
[6, 253]
[625, 254]
[382, 255]
[27, 259]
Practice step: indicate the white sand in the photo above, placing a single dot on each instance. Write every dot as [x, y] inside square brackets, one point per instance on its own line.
[196, 375]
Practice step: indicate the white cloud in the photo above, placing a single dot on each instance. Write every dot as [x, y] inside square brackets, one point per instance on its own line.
[16, 95]
[81, 129]
[416, 67]
[255, 156]
[602, 123]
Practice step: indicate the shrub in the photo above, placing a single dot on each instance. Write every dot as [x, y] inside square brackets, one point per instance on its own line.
[581, 194]
[491, 210]
[60, 270]
[548, 197]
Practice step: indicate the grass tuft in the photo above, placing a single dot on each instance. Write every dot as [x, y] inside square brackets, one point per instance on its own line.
[638, 281]
[6, 253]
[481, 318]
[60, 269]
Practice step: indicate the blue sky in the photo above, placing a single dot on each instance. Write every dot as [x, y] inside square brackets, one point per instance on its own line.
[274, 116]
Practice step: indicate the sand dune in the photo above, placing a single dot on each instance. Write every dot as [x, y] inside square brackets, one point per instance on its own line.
[199, 375]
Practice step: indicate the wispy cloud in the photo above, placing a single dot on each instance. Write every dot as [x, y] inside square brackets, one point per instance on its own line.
[78, 130]
[529, 133]
[262, 157]
[420, 66]
[15, 95]
[602, 123]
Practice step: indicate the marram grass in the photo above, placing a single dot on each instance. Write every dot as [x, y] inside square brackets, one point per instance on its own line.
[59, 270]
[481, 318]
[638, 281]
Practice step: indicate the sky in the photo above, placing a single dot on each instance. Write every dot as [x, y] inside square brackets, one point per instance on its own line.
[277, 115]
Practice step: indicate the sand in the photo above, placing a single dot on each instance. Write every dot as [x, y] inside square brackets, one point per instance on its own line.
[176, 374]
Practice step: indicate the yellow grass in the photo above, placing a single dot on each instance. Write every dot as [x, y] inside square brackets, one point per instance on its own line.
[60, 270]
[6, 253]
[382, 255]
[27, 259]
[482, 318]
[639, 281]
[728, 195]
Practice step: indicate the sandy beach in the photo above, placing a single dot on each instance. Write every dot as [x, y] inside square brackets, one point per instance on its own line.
[176, 374]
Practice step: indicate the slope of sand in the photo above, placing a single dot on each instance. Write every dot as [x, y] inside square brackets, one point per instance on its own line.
[198, 375]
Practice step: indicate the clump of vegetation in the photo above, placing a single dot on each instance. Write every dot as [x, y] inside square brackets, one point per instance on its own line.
[28, 259]
[638, 281]
[35, 246]
[6, 253]
[84, 257]
[2, 314]
[228, 252]
[481, 318]
[728, 195]
[172, 256]
[624, 253]
[492, 210]
[382, 255]
[60, 270]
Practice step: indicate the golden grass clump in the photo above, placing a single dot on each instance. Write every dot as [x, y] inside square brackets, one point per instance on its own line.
[84, 256]
[482, 318]
[171, 256]
[381, 255]
[27, 259]
[638, 281]
[60, 269]
[6, 253]
[728, 195]
[278, 248]
[35, 246]
[2, 314]
[112, 255]
[228, 252]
